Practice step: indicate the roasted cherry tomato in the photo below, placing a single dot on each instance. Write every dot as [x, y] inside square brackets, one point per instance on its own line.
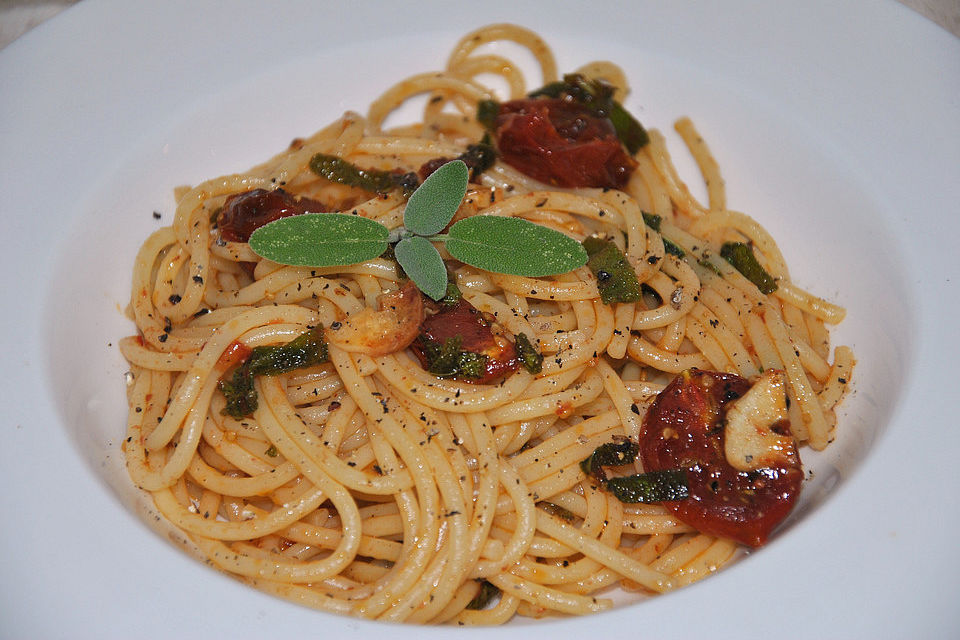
[684, 428]
[244, 213]
[463, 320]
[560, 142]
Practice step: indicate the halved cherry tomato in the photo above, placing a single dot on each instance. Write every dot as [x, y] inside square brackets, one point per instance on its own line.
[465, 321]
[684, 428]
[244, 213]
[560, 142]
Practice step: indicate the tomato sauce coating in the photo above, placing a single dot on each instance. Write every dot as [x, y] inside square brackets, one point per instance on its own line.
[684, 428]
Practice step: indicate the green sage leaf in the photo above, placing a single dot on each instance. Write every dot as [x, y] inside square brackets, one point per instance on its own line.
[432, 206]
[423, 264]
[484, 597]
[650, 487]
[452, 297]
[672, 248]
[304, 351]
[531, 358]
[320, 240]
[336, 169]
[740, 255]
[652, 220]
[448, 360]
[628, 128]
[609, 454]
[513, 246]
[616, 278]
[479, 157]
[487, 112]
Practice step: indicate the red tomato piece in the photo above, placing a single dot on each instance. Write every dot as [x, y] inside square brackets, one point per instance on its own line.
[244, 213]
[233, 355]
[684, 429]
[464, 320]
[560, 142]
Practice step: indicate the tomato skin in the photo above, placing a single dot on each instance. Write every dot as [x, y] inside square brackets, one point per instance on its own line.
[233, 355]
[684, 428]
[561, 143]
[464, 320]
[244, 213]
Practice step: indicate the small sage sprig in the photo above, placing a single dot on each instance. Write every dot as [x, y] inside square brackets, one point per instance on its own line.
[493, 243]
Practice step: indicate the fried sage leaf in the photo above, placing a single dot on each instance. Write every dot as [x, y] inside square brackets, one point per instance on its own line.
[653, 486]
[303, 351]
[616, 279]
[336, 169]
[610, 454]
[740, 255]
[531, 358]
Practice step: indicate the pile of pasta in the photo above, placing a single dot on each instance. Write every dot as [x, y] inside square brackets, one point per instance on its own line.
[366, 486]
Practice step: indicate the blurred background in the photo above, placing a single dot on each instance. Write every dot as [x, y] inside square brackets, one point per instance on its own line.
[19, 16]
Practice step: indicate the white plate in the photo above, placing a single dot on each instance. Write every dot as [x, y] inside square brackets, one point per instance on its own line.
[838, 127]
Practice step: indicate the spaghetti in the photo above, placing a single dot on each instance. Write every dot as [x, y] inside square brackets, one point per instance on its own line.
[364, 484]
